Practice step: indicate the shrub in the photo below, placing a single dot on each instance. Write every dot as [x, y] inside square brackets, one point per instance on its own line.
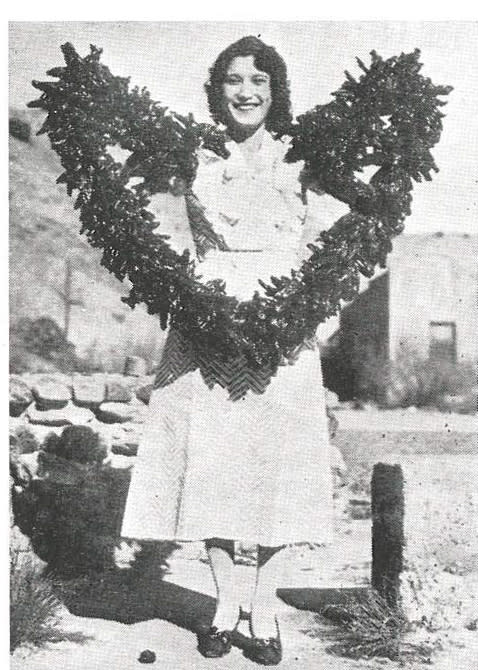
[41, 338]
[19, 128]
[73, 515]
[369, 627]
[34, 609]
[412, 380]
[77, 443]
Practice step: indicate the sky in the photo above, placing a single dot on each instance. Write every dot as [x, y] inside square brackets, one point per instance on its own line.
[172, 59]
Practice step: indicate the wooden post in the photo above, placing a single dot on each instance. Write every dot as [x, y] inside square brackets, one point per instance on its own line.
[388, 509]
[425, 536]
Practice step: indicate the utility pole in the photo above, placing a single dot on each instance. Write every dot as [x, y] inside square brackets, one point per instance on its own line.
[67, 297]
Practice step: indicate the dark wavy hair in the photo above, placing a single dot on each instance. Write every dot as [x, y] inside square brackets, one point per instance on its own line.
[266, 59]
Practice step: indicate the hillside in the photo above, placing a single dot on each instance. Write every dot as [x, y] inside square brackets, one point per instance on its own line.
[44, 236]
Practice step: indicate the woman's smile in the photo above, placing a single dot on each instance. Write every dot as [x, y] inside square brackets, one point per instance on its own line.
[246, 105]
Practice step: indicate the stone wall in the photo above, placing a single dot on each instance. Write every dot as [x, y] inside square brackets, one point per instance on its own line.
[113, 406]
[73, 441]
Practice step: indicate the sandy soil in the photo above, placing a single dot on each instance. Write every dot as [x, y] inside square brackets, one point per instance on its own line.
[408, 419]
[157, 611]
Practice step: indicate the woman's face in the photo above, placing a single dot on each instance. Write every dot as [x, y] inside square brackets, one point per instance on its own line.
[247, 93]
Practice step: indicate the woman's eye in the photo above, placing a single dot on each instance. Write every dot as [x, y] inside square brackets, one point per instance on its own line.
[232, 80]
[260, 80]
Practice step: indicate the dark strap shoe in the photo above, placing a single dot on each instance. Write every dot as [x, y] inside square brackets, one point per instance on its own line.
[265, 651]
[214, 643]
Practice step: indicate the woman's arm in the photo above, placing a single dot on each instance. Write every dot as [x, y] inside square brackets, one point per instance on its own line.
[322, 211]
[358, 195]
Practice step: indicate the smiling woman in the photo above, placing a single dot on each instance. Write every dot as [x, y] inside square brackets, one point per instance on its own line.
[214, 464]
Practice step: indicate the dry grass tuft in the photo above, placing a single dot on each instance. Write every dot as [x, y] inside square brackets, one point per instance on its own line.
[34, 609]
[368, 627]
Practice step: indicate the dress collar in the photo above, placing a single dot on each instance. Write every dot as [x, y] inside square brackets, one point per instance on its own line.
[271, 153]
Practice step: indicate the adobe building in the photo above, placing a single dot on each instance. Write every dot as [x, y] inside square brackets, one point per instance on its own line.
[425, 301]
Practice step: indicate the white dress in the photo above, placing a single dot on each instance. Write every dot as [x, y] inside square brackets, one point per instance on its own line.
[255, 469]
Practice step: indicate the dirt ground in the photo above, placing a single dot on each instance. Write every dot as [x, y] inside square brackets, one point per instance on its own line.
[121, 614]
[119, 619]
[406, 419]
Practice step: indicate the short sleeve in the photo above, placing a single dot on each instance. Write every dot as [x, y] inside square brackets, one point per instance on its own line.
[322, 211]
[170, 211]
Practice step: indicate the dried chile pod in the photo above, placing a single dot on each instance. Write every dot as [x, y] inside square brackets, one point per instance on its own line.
[70, 54]
[56, 72]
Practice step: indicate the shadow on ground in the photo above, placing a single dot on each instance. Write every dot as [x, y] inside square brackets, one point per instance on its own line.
[140, 594]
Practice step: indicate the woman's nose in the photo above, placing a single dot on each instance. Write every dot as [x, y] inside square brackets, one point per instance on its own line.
[244, 92]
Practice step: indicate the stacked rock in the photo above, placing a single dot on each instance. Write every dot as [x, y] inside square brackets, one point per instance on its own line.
[112, 405]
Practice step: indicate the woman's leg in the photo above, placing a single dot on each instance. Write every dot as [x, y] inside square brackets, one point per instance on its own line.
[221, 560]
[264, 602]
